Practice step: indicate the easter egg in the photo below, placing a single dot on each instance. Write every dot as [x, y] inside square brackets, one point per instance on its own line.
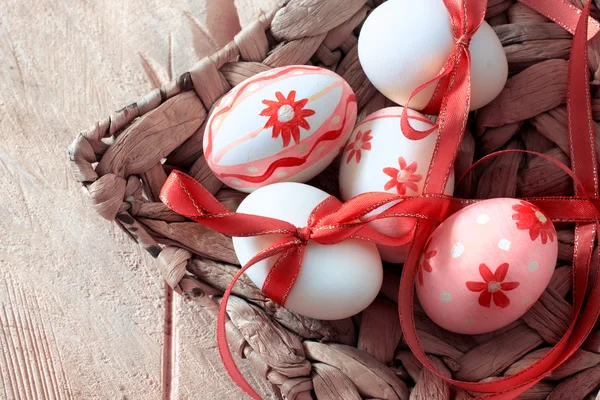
[379, 158]
[286, 124]
[404, 44]
[335, 281]
[486, 265]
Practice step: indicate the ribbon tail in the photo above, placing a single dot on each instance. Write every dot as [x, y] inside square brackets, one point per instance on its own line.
[452, 124]
[222, 343]
[584, 162]
[406, 293]
[583, 154]
[283, 275]
[564, 14]
[442, 79]
[186, 196]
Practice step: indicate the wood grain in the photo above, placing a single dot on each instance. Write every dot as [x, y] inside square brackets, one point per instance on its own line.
[82, 308]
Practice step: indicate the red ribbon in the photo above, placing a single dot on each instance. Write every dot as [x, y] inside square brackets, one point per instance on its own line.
[332, 222]
[582, 157]
[329, 223]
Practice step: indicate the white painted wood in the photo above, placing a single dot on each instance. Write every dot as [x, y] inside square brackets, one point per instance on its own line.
[81, 307]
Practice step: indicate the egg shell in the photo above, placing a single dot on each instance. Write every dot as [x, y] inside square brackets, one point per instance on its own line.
[335, 281]
[376, 154]
[286, 124]
[486, 265]
[404, 44]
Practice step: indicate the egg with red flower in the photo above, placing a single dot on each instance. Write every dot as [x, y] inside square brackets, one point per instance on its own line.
[379, 158]
[286, 124]
[486, 265]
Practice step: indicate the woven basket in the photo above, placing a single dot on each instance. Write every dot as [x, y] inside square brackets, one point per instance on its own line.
[124, 160]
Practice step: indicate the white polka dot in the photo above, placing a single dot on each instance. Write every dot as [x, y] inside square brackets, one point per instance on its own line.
[457, 250]
[335, 120]
[281, 174]
[526, 299]
[483, 219]
[253, 87]
[470, 321]
[216, 123]
[445, 297]
[533, 266]
[320, 150]
[504, 244]
[298, 72]
[235, 182]
[269, 73]
[252, 169]
[302, 148]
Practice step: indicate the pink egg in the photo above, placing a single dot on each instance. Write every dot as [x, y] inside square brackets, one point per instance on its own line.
[486, 265]
[380, 158]
[282, 125]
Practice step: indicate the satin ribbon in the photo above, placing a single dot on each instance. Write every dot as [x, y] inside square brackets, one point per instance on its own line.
[582, 156]
[329, 223]
[332, 222]
[563, 13]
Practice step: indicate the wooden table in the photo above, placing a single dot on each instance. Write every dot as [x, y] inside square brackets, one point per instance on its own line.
[84, 313]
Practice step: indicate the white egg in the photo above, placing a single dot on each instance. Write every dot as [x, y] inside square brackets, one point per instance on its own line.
[335, 281]
[379, 158]
[403, 44]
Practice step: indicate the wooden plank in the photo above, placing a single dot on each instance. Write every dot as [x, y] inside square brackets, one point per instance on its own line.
[81, 307]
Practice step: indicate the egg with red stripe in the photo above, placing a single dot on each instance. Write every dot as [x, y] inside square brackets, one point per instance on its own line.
[286, 124]
[379, 158]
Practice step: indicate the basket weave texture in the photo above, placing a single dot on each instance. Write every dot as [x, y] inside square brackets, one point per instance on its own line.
[124, 160]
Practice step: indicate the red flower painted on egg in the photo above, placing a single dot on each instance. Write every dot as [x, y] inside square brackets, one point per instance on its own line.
[493, 286]
[286, 117]
[530, 218]
[361, 142]
[403, 178]
[424, 264]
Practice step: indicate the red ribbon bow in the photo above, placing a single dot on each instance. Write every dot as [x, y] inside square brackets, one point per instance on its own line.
[332, 222]
[329, 223]
[452, 95]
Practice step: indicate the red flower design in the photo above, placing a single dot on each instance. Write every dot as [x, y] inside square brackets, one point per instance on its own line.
[493, 286]
[424, 264]
[403, 178]
[286, 116]
[361, 142]
[531, 218]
